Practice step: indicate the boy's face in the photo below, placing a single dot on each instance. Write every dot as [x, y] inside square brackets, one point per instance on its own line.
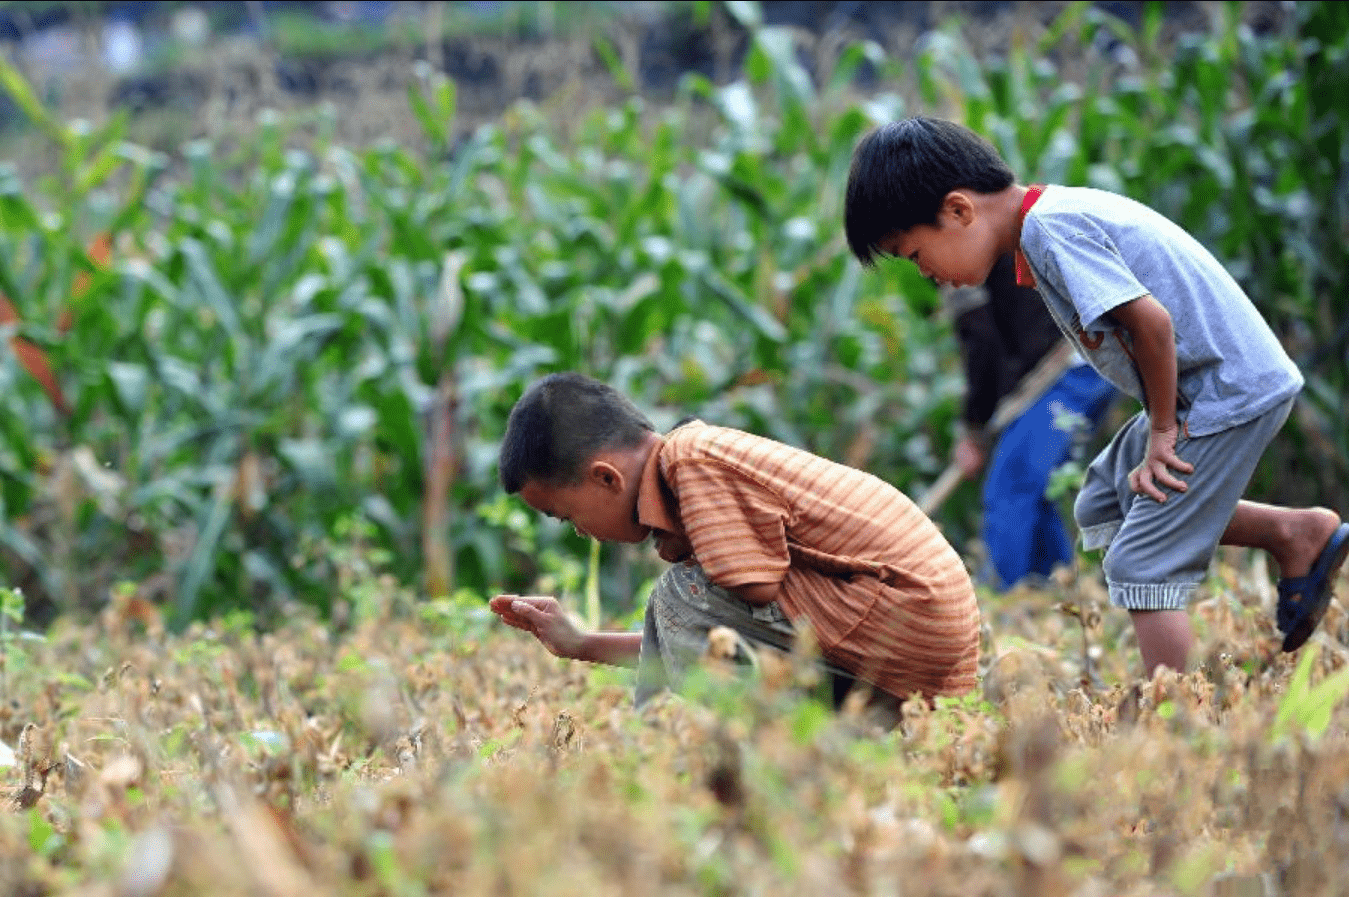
[602, 506]
[958, 251]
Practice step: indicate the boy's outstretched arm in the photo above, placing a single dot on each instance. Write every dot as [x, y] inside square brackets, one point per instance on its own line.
[543, 618]
[1154, 350]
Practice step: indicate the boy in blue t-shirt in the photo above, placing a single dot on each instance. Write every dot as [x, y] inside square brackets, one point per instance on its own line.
[1156, 314]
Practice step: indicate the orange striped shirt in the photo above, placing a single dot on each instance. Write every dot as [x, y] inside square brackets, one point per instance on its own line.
[887, 596]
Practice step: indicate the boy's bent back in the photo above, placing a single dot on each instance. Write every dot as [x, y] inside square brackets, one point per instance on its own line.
[884, 592]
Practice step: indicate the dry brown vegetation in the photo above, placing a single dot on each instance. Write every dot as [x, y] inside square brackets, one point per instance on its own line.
[424, 750]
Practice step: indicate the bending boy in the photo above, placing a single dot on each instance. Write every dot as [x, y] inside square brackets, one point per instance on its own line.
[1156, 314]
[760, 536]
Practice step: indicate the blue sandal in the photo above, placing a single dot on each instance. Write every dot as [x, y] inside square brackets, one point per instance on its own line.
[1303, 599]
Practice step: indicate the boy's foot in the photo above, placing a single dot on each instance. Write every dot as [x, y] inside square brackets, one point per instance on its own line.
[1303, 599]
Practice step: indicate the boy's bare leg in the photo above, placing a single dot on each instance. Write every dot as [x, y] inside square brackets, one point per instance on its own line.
[1164, 638]
[1294, 537]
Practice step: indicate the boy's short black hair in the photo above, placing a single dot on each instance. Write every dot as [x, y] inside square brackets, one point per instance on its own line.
[559, 423]
[901, 173]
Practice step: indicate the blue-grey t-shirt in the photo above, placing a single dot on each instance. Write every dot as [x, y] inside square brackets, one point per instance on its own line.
[1091, 250]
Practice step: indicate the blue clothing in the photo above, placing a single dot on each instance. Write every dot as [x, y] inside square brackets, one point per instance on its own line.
[1005, 331]
[1022, 530]
[1092, 250]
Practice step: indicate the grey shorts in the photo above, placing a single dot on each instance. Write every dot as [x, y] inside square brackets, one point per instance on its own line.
[684, 607]
[1157, 553]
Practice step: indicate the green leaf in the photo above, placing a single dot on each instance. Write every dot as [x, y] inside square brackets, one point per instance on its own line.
[613, 63]
[851, 61]
[309, 459]
[809, 719]
[793, 81]
[436, 113]
[765, 324]
[43, 838]
[1305, 707]
[205, 283]
[97, 170]
[22, 94]
[130, 383]
[747, 12]
[265, 237]
[201, 561]
[16, 214]
[12, 604]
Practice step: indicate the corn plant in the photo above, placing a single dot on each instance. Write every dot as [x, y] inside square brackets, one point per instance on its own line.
[296, 348]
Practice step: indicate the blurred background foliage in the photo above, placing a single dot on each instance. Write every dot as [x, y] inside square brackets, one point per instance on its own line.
[290, 368]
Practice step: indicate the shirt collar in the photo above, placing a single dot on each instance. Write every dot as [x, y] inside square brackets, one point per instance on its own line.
[656, 506]
[1024, 276]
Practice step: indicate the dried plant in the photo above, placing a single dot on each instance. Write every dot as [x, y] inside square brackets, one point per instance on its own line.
[401, 757]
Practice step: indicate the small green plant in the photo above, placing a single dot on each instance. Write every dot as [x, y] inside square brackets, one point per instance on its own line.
[1307, 708]
[462, 617]
[11, 611]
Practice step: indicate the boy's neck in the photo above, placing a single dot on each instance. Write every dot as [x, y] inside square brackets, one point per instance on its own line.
[1007, 209]
[631, 461]
[650, 443]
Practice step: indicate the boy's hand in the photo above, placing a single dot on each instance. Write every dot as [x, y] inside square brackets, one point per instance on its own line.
[1157, 466]
[543, 618]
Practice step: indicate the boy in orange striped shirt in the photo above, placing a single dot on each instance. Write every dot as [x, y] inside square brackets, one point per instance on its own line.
[762, 537]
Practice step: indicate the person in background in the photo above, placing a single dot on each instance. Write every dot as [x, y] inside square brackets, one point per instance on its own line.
[1005, 332]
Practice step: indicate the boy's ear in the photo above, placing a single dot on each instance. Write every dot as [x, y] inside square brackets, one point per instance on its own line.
[958, 206]
[605, 475]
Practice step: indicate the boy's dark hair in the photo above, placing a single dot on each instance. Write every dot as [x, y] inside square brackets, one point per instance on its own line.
[901, 173]
[560, 423]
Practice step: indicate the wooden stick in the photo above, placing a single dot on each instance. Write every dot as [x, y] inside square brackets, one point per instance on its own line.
[1032, 386]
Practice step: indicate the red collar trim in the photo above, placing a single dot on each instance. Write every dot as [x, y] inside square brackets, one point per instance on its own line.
[1024, 276]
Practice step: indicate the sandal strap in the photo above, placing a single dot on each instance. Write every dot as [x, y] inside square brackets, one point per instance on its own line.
[1311, 601]
[1289, 612]
[1296, 585]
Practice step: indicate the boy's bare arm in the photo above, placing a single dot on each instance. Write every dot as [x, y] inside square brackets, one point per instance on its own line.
[1154, 350]
[543, 618]
[618, 649]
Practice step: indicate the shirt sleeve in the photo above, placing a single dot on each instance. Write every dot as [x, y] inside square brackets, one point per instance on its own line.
[737, 526]
[1082, 263]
